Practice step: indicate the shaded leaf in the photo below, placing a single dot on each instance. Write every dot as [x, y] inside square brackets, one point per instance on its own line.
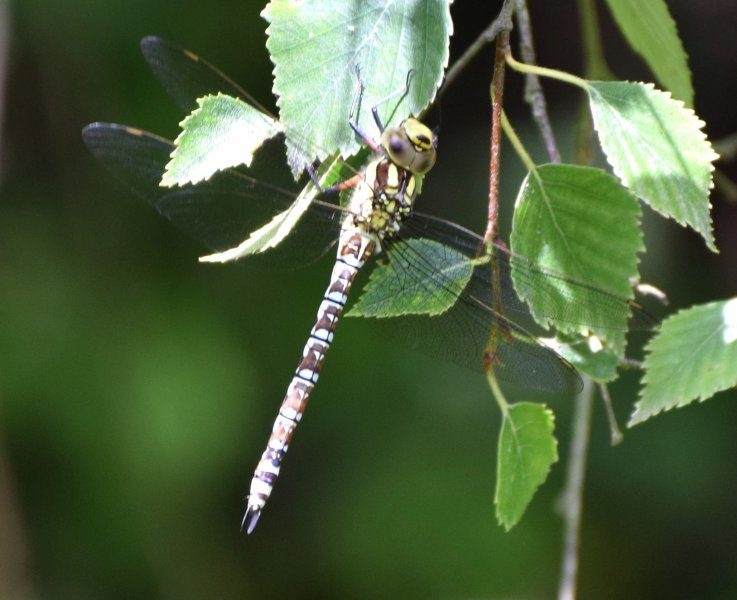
[657, 149]
[390, 293]
[693, 357]
[527, 449]
[651, 31]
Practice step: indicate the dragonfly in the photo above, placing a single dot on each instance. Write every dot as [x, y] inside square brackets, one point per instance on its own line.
[379, 225]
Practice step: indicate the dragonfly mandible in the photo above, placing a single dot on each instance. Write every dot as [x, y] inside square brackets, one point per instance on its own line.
[379, 220]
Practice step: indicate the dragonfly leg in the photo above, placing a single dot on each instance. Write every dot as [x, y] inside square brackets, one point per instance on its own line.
[337, 187]
[401, 92]
[352, 117]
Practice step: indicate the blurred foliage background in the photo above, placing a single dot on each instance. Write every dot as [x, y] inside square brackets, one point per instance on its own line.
[137, 387]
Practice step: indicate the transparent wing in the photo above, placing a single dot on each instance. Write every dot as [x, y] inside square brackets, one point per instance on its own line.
[487, 318]
[224, 210]
[186, 76]
[567, 300]
[471, 331]
[488, 322]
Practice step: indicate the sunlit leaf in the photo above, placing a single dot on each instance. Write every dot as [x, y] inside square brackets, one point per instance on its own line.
[693, 357]
[316, 48]
[222, 132]
[651, 31]
[581, 224]
[657, 149]
[527, 449]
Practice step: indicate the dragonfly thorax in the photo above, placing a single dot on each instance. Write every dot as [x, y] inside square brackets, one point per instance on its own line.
[387, 193]
[384, 198]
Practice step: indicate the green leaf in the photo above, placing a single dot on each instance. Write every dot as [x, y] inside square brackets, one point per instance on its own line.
[656, 147]
[222, 132]
[527, 449]
[651, 31]
[581, 224]
[270, 235]
[390, 292]
[693, 357]
[316, 47]
[281, 225]
[588, 356]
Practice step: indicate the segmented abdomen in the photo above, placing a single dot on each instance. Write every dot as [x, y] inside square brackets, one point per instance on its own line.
[354, 248]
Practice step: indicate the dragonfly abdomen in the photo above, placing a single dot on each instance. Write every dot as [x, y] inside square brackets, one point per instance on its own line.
[354, 248]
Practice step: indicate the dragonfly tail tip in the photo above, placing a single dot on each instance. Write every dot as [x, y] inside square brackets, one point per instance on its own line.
[250, 519]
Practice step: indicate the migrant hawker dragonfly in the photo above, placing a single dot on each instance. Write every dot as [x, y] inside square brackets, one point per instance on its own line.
[421, 251]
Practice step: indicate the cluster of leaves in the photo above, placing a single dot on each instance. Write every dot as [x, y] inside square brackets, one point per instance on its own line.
[580, 222]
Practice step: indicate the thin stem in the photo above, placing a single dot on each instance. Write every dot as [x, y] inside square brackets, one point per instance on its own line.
[503, 22]
[615, 432]
[496, 391]
[517, 144]
[546, 72]
[534, 95]
[520, 149]
[497, 101]
[573, 494]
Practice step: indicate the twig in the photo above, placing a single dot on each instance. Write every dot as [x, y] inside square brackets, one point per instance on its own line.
[503, 22]
[573, 494]
[15, 574]
[497, 102]
[534, 95]
[4, 45]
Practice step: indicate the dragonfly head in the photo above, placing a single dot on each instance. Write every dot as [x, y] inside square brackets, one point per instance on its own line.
[410, 146]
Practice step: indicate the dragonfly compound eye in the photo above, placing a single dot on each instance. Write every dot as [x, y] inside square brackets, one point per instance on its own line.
[410, 146]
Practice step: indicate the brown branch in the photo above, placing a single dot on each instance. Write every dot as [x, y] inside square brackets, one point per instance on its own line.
[497, 102]
[534, 95]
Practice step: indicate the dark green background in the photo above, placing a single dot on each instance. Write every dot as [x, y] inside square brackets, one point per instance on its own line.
[137, 387]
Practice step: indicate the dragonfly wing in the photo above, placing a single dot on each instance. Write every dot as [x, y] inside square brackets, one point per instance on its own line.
[470, 332]
[564, 299]
[488, 320]
[186, 76]
[222, 211]
[462, 336]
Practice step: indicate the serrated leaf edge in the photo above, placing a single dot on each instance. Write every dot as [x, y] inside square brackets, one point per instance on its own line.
[710, 154]
[167, 180]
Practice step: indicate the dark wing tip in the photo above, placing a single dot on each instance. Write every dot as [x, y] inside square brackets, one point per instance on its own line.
[150, 41]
